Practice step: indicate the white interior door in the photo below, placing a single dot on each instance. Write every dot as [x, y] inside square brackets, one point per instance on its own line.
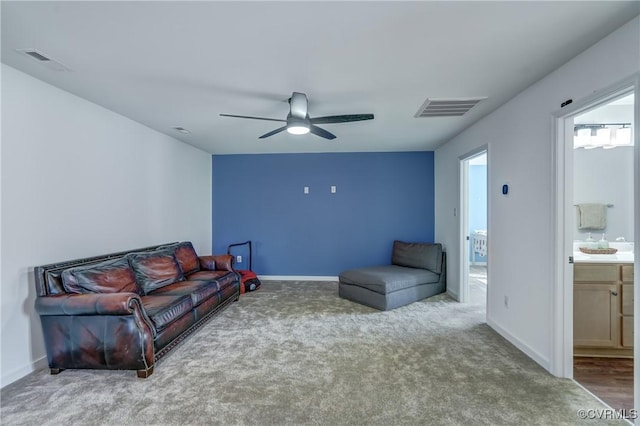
[464, 229]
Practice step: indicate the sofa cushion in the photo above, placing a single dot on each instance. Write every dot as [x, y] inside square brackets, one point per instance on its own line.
[186, 257]
[220, 262]
[223, 278]
[155, 269]
[417, 255]
[206, 275]
[163, 310]
[199, 291]
[110, 276]
[389, 278]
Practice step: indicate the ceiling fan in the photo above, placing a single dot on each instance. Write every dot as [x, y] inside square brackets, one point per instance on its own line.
[299, 122]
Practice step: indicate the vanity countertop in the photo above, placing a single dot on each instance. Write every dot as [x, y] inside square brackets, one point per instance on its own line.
[623, 255]
[619, 257]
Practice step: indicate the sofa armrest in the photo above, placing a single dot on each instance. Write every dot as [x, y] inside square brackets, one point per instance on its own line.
[221, 262]
[88, 304]
[104, 331]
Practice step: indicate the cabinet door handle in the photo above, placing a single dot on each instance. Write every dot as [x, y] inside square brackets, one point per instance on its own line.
[614, 293]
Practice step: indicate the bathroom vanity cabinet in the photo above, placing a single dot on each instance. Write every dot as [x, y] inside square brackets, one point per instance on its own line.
[603, 309]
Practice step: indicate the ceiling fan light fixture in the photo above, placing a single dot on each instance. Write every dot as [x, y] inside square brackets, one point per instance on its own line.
[298, 121]
[298, 130]
[297, 126]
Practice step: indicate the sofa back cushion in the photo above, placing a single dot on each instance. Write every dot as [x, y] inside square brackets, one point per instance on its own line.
[220, 262]
[186, 257]
[418, 255]
[110, 276]
[155, 269]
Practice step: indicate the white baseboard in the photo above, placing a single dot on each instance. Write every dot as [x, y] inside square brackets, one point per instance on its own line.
[453, 295]
[19, 373]
[297, 278]
[526, 349]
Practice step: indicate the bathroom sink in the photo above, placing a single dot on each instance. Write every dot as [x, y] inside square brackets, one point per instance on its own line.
[622, 246]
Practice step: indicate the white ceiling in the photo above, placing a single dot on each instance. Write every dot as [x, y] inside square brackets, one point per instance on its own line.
[168, 64]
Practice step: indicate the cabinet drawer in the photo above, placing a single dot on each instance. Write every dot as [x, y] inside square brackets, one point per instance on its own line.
[627, 299]
[627, 273]
[627, 332]
[601, 272]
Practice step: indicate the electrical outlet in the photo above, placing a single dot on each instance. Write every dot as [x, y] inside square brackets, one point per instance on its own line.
[238, 259]
[506, 302]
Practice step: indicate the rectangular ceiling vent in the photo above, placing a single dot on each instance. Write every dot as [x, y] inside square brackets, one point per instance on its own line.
[447, 107]
[43, 59]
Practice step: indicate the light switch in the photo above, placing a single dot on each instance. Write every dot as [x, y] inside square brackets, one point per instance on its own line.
[306, 190]
[333, 189]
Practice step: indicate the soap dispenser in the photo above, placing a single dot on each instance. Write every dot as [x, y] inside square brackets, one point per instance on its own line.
[603, 243]
[589, 242]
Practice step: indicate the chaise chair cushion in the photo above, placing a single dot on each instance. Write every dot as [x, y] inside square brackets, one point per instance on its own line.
[418, 255]
[110, 276]
[155, 269]
[387, 279]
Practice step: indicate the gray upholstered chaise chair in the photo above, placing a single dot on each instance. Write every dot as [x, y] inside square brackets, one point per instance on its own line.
[417, 271]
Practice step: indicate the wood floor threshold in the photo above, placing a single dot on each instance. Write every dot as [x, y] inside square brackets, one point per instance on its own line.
[611, 379]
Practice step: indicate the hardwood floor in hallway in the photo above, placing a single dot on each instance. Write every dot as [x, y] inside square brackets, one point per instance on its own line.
[610, 379]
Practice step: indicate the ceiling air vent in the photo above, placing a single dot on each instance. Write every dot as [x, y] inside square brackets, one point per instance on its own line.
[446, 107]
[43, 59]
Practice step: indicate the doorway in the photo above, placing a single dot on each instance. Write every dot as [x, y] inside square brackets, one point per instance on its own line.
[603, 309]
[597, 160]
[474, 227]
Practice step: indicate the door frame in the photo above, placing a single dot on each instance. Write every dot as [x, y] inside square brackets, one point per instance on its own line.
[463, 222]
[561, 334]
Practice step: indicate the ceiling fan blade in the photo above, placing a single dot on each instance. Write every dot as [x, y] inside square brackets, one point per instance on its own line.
[253, 118]
[321, 132]
[341, 118]
[298, 103]
[273, 132]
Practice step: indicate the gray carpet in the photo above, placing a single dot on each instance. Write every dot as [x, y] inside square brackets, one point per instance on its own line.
[293, 353]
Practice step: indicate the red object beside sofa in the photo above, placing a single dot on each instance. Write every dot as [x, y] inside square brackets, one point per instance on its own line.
[125, 311]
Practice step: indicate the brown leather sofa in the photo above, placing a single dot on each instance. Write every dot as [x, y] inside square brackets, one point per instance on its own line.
[125, 311]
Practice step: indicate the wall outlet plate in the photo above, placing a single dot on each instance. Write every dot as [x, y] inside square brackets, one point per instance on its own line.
[238, 259]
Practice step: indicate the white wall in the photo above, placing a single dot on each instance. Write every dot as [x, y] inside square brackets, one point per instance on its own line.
[519, 139]
[79, 180]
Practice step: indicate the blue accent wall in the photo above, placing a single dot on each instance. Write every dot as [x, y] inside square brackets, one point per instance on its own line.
[477, 203]
[380, 197]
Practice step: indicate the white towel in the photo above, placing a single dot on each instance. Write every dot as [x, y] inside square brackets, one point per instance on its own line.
[592, 216]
